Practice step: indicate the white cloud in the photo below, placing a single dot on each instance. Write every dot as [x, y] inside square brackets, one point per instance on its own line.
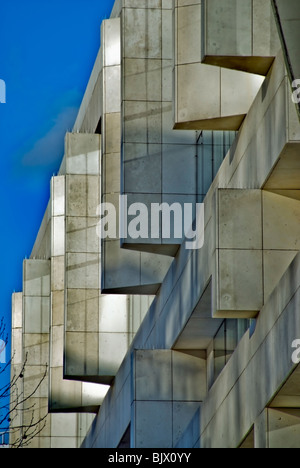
[49, 149]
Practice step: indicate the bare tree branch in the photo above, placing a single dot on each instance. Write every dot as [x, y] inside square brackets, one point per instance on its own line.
[20, 407]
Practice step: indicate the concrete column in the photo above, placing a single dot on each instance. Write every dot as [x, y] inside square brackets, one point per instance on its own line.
[82, 254]
[16, 366]
[36, 319]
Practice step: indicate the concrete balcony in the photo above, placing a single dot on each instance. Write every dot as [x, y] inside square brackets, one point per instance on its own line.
[207, 97]
[240, 35]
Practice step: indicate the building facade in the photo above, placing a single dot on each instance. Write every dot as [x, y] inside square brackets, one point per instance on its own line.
[129, 337]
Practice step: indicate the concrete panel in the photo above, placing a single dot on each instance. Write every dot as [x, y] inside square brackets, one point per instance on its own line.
[36, 278]
[283, 428]
[188, 21]
[58, 236]
[57, 308]
[17, 310]
[111, 40]
[82, 309]
[82, 195]
[276, 262]
[189, 377]
[281, 222]
[112, 96]
[123, 268]
[36, 299]
[58, 273]
[222, 101]
[240, 219]
[112, 350]
[234, 101]
[143, 175]
[233, 37]
[82, 154]
[207, 99]
[64, 425]
[37, 348]
[240, 282]
[153, 375]
[80, 235]
[112, 133]
[179, 169]
[81, 351]
[83, 270]
[191, 435]
[112, 173]
[57, 348]
[58, 196]
[228, 27]
[152, 428]
[186, 423]
[113, 314]
[138, 44]
[142, 79]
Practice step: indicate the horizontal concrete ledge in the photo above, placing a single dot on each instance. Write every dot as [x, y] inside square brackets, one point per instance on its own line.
[80, 409]
[228, 123]
[234, 314]
[256, 65]
[97, 379]
[147, 290]
[170, 250]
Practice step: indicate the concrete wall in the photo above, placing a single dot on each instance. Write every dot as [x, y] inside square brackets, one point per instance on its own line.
[173, 381]
[255, 155]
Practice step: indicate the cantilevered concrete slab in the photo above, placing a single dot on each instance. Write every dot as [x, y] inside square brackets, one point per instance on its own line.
[206, 97]
[239, 34]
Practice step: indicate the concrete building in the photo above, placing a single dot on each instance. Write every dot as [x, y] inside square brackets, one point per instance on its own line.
[147, 343]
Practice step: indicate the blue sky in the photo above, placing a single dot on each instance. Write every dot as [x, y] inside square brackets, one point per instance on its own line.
[47, 52]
